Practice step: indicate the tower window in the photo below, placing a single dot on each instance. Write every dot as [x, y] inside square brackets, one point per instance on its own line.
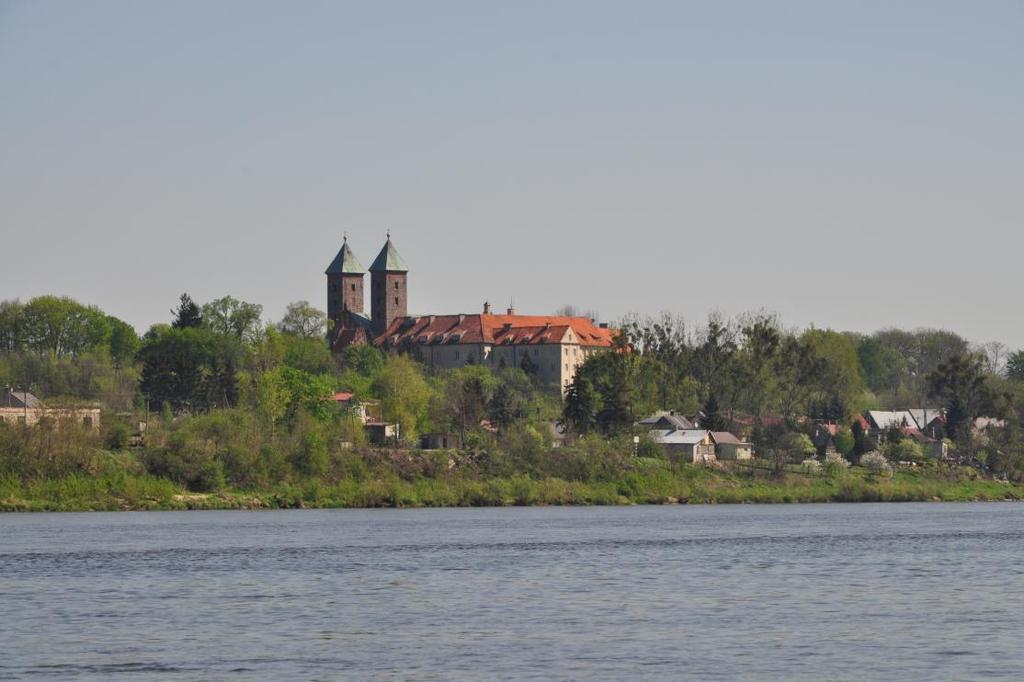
[396, 300]
[353, 287]
[396, 283]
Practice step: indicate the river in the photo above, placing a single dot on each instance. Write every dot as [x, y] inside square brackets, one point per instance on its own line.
[839, 592]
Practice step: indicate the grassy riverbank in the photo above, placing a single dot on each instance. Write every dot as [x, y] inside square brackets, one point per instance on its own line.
[644, 482]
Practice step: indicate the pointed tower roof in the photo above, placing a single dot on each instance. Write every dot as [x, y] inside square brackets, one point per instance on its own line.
[345, 263]
[388, 259]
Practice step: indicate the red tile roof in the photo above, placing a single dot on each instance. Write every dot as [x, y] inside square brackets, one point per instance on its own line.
[495, 329]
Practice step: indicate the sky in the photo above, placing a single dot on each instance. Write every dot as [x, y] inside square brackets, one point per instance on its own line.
[851, 165]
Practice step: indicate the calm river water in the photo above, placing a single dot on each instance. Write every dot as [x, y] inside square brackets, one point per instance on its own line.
[849, 592]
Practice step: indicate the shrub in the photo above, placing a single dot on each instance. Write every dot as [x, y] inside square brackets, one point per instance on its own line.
[835, 463]
[876, 463]
[904, 450]
[811, 466]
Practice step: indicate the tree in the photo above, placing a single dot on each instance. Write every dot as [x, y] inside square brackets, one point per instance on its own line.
[579, 411]
[302, 319]
[1015, 366]
[364, 359]
[845, 441]
[188, 314]
[231, 317]
[404, 394]
[712, 418]
[860, 441]
[464, 398]
[904, 450]
[787, 448]
[124, 341]
[961, 383]
[189, 368]
[10, 326]
[61, 326]
[570, 310]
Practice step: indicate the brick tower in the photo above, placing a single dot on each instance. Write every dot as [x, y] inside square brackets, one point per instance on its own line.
[388, 295]
[344, 285]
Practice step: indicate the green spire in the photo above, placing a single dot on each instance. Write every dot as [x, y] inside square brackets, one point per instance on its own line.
[388, 259]
[345, 263]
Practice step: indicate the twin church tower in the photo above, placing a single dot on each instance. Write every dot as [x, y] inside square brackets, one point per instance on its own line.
[388, 295]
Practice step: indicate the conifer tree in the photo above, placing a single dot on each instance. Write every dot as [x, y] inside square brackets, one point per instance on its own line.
[188, 314]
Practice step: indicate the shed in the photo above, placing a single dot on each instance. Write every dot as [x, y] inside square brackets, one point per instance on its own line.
[729, 447]
[689, 445]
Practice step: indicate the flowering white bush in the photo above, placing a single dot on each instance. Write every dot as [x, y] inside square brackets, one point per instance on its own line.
[811, 466]
[876, 463]
[834, 460]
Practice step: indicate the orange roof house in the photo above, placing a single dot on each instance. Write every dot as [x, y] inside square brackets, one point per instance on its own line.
[549, 346]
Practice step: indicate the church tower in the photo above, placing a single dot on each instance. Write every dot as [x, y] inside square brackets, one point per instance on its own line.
[344, 285]
[388, 295]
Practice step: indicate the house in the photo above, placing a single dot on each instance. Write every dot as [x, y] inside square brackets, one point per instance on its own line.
[688, 445]
[935, 448]
[381, 432]
[923, 416]
[440, 441]
[663, 419]
[347, 401]
[880, 421]
[729, 447]
[21, 407]
[549, 346]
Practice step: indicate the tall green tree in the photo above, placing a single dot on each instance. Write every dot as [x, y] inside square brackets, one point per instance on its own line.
[962, 385]
[302, 319]
[188, 314]
[231, 317]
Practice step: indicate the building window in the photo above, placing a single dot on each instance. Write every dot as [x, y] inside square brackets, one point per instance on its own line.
[396, 300]
[87, 421]
[456, 355]
[396, 283]
[353, 287]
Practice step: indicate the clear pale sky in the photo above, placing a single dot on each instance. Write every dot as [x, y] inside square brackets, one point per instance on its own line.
[854, 165]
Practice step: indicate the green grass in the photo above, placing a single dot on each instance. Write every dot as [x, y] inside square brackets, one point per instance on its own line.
[645, 482]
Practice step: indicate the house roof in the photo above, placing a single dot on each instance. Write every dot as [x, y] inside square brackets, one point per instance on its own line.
[20, 399]
[724, 437]
[918, 435]
[678, 436]
[924, 416]
[345, 263]
[388, 260]
[664, 418]
[352, 328]
[495, 329]
[883, 419]
[342, 397]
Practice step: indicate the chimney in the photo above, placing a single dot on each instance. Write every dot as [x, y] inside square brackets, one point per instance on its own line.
[604, 325]
[462, 318]
[487, 307]
[511, 310]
